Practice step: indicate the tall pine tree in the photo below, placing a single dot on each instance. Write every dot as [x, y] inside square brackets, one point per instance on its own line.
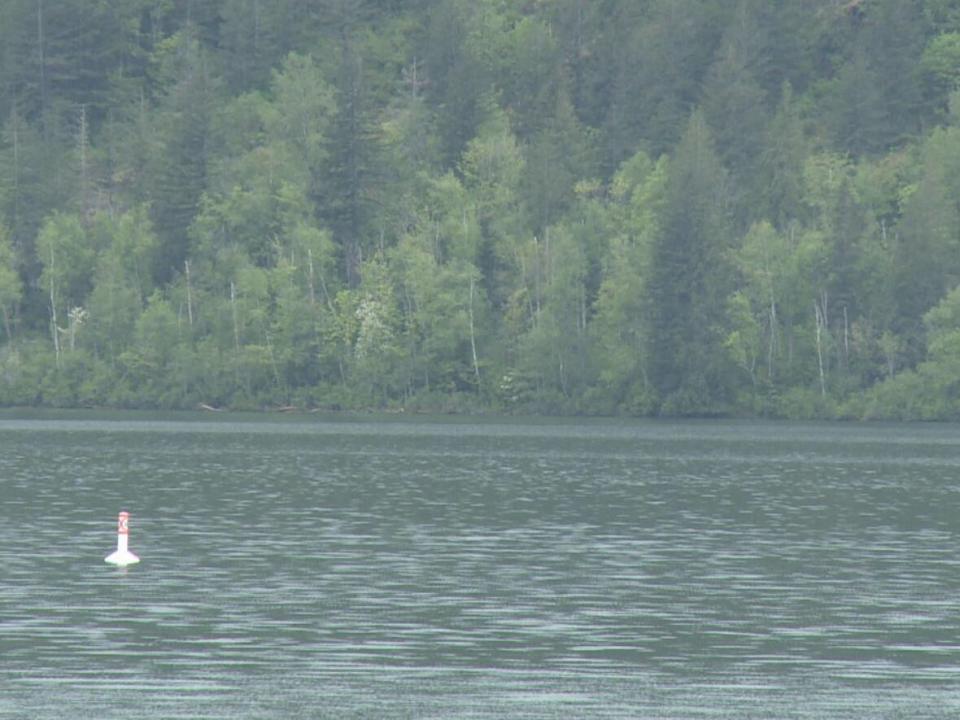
[689, 280]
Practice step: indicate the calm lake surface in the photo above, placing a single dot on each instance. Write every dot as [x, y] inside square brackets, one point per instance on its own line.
[307, 567]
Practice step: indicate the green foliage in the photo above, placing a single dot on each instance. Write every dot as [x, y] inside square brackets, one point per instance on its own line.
[376, 347]
[301, 112]
[22, 368]
[733, 99]
[805, 403]
[177, 142]
[941, 59]
[683, 207]
[11, 287]
[68, 258]
[438, 299]
[618, 326]
[689, 280]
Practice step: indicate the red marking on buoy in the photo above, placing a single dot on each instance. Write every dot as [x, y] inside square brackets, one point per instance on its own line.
[122, 556]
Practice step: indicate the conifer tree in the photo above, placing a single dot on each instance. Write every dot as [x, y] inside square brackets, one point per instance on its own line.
[689, 279]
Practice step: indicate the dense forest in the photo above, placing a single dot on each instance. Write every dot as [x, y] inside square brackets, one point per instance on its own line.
[644, 207]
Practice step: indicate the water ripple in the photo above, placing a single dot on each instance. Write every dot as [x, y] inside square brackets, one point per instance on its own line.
[479, 570]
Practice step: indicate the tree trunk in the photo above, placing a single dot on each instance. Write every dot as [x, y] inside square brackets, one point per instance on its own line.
[313, 295]
[6, 322]
[236, 332]
[83, 151]
[772, 340]
[186, 267]
[55, 329]
[473, 339]
[818, 317]
[846, 338]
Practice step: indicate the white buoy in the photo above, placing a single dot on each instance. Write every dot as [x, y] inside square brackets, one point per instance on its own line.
[122, 556]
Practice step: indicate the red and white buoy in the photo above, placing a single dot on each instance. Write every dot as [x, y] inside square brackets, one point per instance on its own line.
[122, 556]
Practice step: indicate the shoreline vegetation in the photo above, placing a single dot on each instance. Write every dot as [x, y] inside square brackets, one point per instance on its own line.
[675, 208]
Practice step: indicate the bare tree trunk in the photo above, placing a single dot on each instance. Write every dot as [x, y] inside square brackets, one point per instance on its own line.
[313, 295]
[15, 132]
[771, 344]
[518, 255]
[82, 151]
[186, 267]
[563, 375]
[77, 316]
[548, 257]
[236, 335]
[846, 338]
[473, 339]
[818, 317]
[323, 283]
[236, 324]
[55, 329]
[541, 268]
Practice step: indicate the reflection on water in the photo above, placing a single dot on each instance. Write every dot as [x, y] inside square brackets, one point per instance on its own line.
[412, 570]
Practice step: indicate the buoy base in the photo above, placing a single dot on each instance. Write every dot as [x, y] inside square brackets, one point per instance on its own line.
[121, 558]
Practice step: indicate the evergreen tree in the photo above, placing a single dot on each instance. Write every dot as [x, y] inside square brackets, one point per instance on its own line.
[558, 156]
[33, 184]
[734, 101]
[587, 33]
[926, 256]
[779, 177]
[857, 115]
[11, 287]
[255, 36]
[459, 69]
[666, 51]
[66, 54]
[689, 280]
[176, 167]
[349, 188]
[619, 326]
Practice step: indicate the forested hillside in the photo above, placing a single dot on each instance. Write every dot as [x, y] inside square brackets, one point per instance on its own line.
[651, 207]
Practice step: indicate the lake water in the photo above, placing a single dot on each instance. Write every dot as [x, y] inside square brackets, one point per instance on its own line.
[306, 567]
